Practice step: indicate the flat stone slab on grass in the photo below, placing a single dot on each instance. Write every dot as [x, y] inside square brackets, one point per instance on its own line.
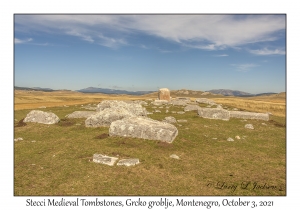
[80, 114]
[174, 156]
[180, 112]
[249, 115]
[214, 113]
[128, 162]
[249, 126]
[38, 116]
[170, 119]
[144, 128]
[205, 101]
[160, 102]
[178, 102]
[98, 158]
[191, 108]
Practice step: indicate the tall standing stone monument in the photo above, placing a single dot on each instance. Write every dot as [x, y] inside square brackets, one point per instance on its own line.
[164, 94]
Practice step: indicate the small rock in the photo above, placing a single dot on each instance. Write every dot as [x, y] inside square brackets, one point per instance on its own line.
[264, 124]
[42, 107]
[157, 111]
[98, 158]
[77, 124]
[160, 107]
[170, 119]
[181, 120]
[18, 139]
[237, 137]
[33, 141]
[214, 138]
[230, 139]
[167, 111]
[249, 126]
[173, 112]
[174, 156]
[181, 112]
[128, 162]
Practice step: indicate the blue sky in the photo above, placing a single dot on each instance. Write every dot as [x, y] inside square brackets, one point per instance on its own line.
[147, 52]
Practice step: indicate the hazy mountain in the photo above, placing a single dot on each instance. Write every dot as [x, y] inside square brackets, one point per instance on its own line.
[227, 92]
[34, 89]
[112, 91]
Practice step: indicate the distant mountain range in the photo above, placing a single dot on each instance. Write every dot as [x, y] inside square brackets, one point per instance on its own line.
[34, 89]
[112, 91]
[224, 92]
[227, 92]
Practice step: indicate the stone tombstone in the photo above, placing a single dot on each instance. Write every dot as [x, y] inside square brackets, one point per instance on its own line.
[164, 94]
[249, 115]
[144, 128]
[214, 113]
[80, 114]
[41, 117]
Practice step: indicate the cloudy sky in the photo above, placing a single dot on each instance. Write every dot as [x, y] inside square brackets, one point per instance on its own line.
[147, 52]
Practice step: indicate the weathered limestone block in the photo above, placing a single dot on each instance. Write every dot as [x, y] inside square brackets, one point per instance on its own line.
[41, 117]
[144, 128]
[134, 108]
[164, 94]
[128, 162]
[249, 126]
[205, 101]
[249, 115]
[170, 119]
[160, 102]
[107, 116]
[98, 158]
[214, 113]
[191, 108]
[80, 114]
[177, 102]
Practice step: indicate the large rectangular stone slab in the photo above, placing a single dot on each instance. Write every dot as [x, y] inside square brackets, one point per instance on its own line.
[214, 113]
[249, 115]
[144, 128]
[98, 158]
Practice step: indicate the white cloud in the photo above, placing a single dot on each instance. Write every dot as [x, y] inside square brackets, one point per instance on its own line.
[19, 41]
[266, 51]
[208, 32]
[244, 67]
[222, 55]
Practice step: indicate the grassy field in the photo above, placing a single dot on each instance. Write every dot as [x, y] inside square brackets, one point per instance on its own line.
[57, 159]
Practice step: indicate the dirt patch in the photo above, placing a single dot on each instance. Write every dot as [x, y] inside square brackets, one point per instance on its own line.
[20, 123]
[66, 122]
[164, 144]
[102, 136]
[277, 123]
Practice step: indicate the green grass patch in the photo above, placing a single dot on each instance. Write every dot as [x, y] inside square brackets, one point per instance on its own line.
[57, 159]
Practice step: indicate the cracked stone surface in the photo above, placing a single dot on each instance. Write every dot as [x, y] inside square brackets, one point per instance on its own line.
[128, 162]
[103, 159]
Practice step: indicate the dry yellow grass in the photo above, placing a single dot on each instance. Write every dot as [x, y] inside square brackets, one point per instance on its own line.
[276, 106]
[35, 99]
